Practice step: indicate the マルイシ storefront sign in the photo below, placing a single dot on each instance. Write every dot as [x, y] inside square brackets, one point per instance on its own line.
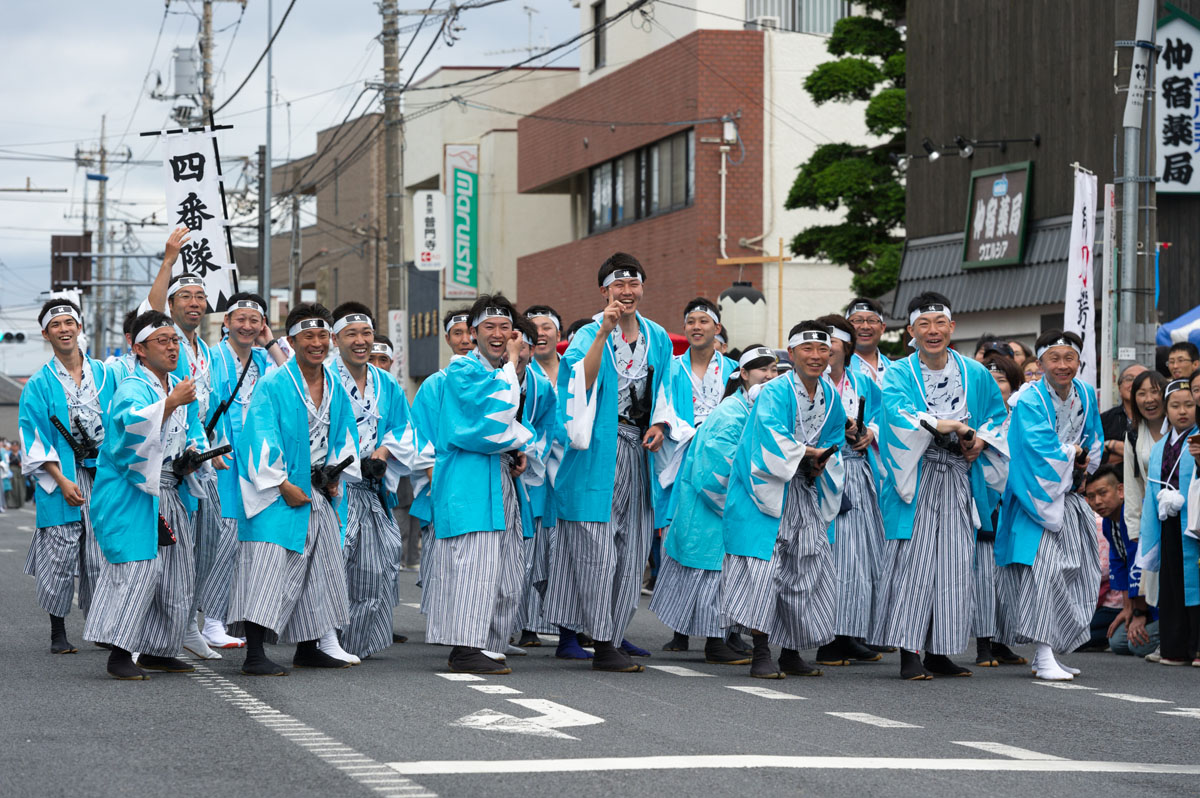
[997, 210]
[1177, 104]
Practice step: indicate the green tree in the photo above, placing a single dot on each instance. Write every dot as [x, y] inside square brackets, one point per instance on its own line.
[864, 184]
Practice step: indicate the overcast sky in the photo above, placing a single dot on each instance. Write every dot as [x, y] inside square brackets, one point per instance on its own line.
[64, 64]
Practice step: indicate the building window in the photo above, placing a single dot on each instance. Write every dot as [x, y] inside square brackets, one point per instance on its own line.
[657, 178]
[801, 16]
[598, 49]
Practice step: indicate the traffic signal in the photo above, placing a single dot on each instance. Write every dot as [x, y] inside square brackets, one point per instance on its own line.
[12, 337]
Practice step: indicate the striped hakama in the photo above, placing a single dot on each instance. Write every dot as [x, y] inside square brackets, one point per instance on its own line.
[537, 555]
[428, 545]
[473, 588]
[144, 605]
[1053, 600]
[857, 548]
[688, 600]
[297, 596]
[596, 568]
[791, 597]
[925, 593]
[57, 554]
[372, 550]
[983, 612]
[216, 550]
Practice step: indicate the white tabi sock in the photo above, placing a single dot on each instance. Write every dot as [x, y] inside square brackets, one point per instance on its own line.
[329, 644]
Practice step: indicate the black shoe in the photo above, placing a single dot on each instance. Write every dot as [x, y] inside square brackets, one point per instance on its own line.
[858, 652]
[678, 643]
[529, 640]
[255, 665]
[614, 660]
[309, 656]
[718, 652]
[911, 668]
[983, 653]
[648, 587]
[464, 659]
[1006, 656]
[833, 654]
[941, 665]
[120, 666]
[763, 664]
[106, 646]
[585, 641]
[791, 663]
[738, 644]
[399, 638]
[882, 649]
[165, 664]
[59, 644]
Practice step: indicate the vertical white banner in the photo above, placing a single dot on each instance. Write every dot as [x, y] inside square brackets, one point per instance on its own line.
[398, 332]
[429, 237]
[1079, 313]
[194, 201]
[1108, 240]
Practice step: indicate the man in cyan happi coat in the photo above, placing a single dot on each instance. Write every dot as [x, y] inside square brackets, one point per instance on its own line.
[858, 527]
[238, 363]
[785, 489]
[687, 595]
[473, 586]
[387, 451]
[936, 487]
[75, 390]
[625, 442]
[298, 448]
[141, 506]
[866, 317]
[1046, 545]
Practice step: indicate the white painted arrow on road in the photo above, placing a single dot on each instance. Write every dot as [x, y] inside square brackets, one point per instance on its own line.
[553, 716]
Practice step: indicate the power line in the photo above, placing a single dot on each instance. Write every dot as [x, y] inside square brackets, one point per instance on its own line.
[739, 19]
[229, 47]
[585, 122]
[142, 90]
[261, 56]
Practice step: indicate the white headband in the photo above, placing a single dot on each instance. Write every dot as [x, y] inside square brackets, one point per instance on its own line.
[351, 318]
[721, 338]
[863, 307]
[381, 349]
[841, 335]
[491, 313]
[60, 310]
[754, 354]
[553, 320]
[187, 281]
[707, 311]
[527, 339]
[246, 304]
[458, 318]
[621, 274]
[921, 311]
[1057, 342]
[308, 324]
[1176, 385]
[150, 329]
[808, 337]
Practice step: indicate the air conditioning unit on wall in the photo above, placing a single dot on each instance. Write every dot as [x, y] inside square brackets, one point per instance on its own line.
[766, 23]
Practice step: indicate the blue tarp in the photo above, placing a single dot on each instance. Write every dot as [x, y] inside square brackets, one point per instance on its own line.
[1184, 328]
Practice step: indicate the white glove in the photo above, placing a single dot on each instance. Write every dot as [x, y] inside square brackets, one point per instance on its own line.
[1170, 502]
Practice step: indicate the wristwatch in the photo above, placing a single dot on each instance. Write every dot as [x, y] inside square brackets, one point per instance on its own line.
[271, 343]
[1139, 613]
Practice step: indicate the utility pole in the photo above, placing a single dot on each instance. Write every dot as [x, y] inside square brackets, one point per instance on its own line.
[264, 196]
[294, 261]
[397, 292]
[264, 214]
[206, 62]
[1134, 343]
[102, 221]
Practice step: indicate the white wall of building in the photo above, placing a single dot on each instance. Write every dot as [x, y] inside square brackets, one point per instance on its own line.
[635, 36]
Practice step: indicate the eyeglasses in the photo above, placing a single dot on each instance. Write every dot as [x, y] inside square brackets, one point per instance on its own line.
[865, 321]
[164, 340]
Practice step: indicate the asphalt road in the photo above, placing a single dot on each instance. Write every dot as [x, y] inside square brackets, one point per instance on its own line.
[397, 726]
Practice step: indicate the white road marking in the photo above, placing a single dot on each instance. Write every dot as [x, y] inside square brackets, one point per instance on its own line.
[554, 716]
[411, 604]
[495, 689]
[25, 528]
[341, 756]
[8, 551]
[747, 761]
[1137, 699]
[1006, 750]
[763, 692]
[677, 670]
[1062, 685]
[461, 677]
[1182, 712]
[874, 720]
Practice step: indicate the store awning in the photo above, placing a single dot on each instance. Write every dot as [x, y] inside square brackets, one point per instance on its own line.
[935, 264]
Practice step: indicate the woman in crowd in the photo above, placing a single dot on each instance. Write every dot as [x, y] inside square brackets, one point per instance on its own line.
[1145, 430]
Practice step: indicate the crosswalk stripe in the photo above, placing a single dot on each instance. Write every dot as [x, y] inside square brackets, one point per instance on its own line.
[678, 670]
[763, 692]
[874, 720]
[1137, 699]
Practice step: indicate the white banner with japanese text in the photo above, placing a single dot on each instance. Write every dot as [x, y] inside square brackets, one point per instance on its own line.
[1079, 315]
[1177, 106]
[195, 201]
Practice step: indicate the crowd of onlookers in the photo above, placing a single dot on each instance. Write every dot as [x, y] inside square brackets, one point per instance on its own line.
[13, 487]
